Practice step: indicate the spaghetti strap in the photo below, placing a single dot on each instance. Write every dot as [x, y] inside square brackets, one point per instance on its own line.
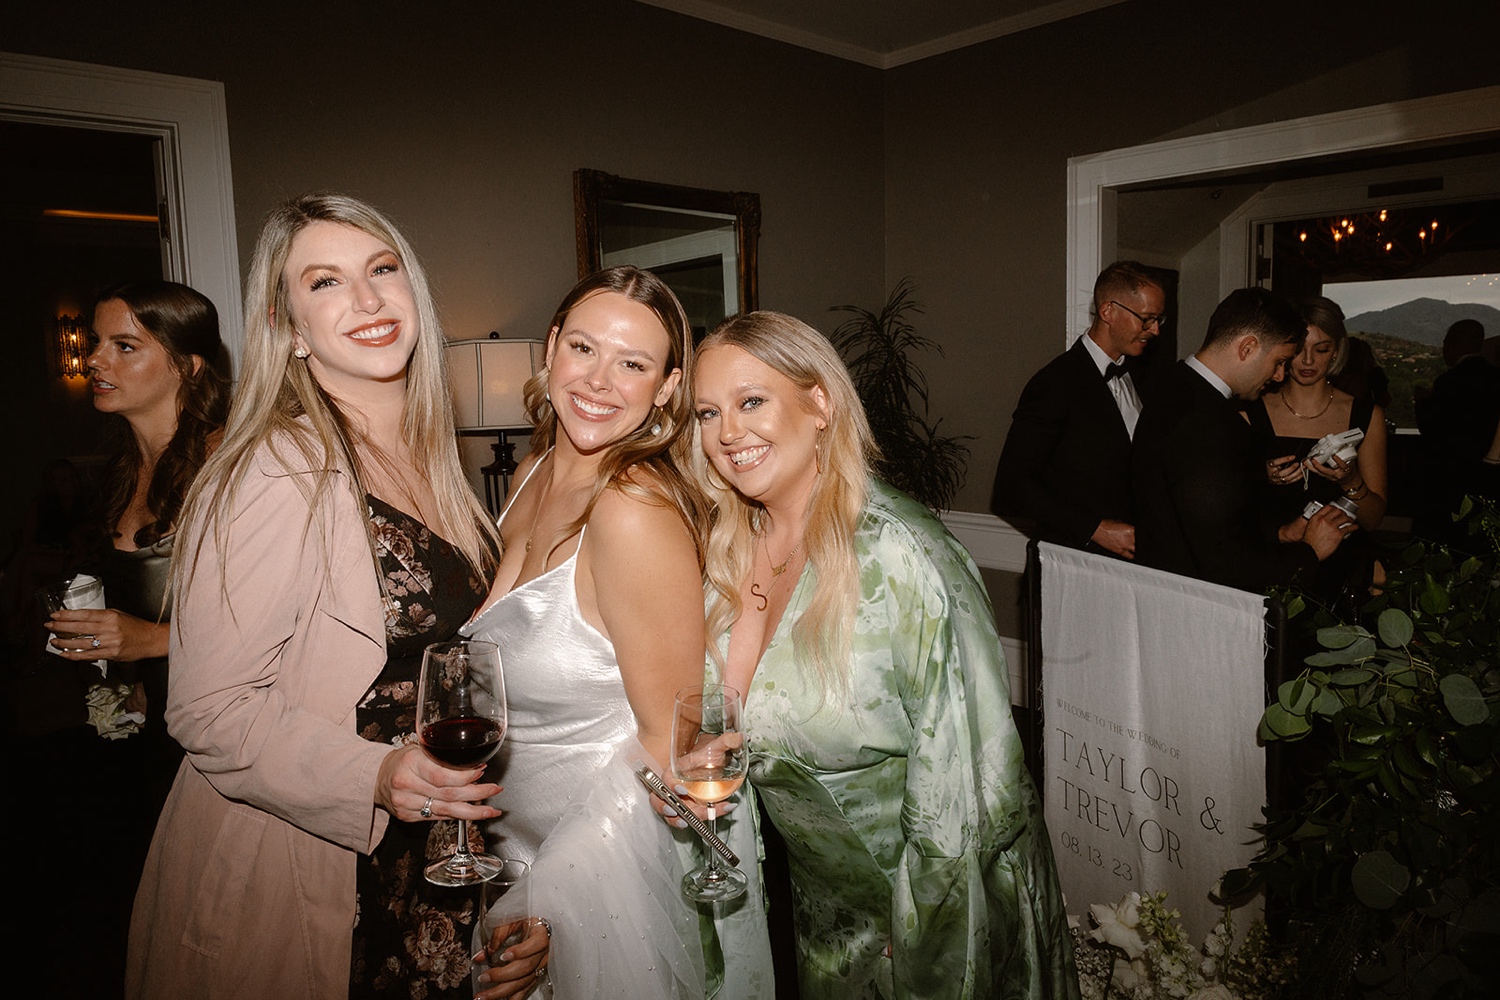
[529, 473]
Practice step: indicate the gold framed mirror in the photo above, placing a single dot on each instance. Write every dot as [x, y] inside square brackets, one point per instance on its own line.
[702, 243]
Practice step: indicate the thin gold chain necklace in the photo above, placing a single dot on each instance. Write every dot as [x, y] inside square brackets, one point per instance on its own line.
[764, 597]
[1308, 416]
[541, 501]
[777, 570]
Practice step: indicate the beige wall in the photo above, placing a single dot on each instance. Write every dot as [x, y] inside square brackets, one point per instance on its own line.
[466, 120]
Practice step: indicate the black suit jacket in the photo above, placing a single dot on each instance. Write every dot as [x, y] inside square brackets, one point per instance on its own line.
[1196, 475]
[1066, 462]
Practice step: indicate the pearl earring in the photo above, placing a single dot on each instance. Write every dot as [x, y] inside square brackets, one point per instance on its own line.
[300, 352]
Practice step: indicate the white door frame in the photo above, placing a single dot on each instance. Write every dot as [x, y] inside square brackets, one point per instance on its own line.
[1093, 179]
[189, 117]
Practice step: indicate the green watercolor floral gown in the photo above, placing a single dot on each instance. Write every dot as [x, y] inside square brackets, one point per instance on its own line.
[910, 818]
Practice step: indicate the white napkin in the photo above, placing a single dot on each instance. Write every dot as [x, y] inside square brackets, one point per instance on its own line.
[92, 599]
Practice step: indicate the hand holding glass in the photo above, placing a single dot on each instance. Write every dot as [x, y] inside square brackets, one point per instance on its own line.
[708, 759]
[461, 723]
[505, 920]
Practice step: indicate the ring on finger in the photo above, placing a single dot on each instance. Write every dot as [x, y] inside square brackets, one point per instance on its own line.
[427, 809]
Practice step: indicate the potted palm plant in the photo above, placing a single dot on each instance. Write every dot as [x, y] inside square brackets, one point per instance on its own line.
[880, 348]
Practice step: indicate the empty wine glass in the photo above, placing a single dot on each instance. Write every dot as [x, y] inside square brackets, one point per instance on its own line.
[708, 759]
[502, 927]
[461, 723]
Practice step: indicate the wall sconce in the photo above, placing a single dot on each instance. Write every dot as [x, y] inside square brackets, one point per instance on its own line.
[488, 377]
[72, 346]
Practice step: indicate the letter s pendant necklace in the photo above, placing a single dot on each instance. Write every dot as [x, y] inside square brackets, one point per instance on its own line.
[776, 570]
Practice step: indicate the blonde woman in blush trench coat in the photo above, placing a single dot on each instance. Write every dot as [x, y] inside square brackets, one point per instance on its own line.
[240, 876]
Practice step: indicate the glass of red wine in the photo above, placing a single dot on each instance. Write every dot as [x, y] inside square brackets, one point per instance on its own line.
[461, 723]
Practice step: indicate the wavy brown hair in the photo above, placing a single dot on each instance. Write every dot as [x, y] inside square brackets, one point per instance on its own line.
[647, 462]
[186, 324]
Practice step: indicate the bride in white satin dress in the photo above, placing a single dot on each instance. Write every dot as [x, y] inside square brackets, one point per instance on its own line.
[597, 608]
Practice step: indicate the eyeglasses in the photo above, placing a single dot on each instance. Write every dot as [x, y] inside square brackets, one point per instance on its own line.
[1155, 320]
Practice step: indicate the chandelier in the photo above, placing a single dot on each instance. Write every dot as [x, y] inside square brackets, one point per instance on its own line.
[1383, 242]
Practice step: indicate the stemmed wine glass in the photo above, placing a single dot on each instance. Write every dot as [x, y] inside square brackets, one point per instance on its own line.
[461, 723]
[708, 759]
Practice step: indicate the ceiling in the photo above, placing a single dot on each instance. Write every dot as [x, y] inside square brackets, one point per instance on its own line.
[882, 33]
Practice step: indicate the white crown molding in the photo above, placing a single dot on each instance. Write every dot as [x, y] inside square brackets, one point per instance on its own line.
[704, 10]
[1035, 18]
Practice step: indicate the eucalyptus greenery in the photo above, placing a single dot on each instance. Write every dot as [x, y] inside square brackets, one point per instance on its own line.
[1389, 867]
[879, 348]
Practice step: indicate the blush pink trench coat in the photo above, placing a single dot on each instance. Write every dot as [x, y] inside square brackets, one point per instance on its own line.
[248, 890]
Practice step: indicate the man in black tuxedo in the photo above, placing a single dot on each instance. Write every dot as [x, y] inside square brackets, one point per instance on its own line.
[1064, 473]
[1457, 420]
[1195, 467]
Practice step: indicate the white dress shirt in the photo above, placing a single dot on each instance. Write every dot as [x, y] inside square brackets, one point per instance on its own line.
[1122, 388]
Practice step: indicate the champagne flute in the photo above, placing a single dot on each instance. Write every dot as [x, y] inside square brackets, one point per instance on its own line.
[708, 759]
[461, 723]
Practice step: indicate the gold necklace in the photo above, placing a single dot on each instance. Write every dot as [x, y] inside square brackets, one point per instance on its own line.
[1310, 416]
[541, 500]
[776, 571]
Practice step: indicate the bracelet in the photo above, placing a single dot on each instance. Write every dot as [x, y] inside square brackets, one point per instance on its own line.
[1358, 493]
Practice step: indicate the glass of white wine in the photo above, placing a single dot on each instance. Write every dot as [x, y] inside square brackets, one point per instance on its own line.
[708, 759]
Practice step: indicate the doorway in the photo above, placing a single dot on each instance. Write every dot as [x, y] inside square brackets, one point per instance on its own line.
[78, 212]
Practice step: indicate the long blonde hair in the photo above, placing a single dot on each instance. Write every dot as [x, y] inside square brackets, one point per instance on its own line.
[822, 633]
[278, 398]
[647, 462]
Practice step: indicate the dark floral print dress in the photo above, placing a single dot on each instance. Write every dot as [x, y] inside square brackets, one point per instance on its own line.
[412, 938]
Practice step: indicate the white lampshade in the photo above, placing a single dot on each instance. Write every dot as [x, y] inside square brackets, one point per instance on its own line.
[488, 377]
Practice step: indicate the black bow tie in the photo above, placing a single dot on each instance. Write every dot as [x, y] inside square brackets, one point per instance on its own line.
[1114, 370]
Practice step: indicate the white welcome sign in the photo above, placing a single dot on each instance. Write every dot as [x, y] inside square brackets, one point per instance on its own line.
[1153, 685]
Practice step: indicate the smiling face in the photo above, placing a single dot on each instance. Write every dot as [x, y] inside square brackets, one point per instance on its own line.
[352, 308]
[1310, 365]
[607, 370]
[759, 429]
[133, 374]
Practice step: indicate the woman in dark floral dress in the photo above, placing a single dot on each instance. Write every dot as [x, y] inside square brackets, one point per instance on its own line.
[411, 938]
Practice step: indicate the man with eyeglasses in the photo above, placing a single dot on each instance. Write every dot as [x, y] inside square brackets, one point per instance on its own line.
[1064, 473]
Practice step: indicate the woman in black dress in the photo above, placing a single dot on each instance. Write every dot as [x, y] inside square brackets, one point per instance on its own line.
[1306, 408]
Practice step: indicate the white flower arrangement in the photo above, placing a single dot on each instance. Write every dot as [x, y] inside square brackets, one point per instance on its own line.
[1138, 950]
[105, 702]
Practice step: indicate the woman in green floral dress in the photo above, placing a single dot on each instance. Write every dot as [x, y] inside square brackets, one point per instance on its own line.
[877, 706]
